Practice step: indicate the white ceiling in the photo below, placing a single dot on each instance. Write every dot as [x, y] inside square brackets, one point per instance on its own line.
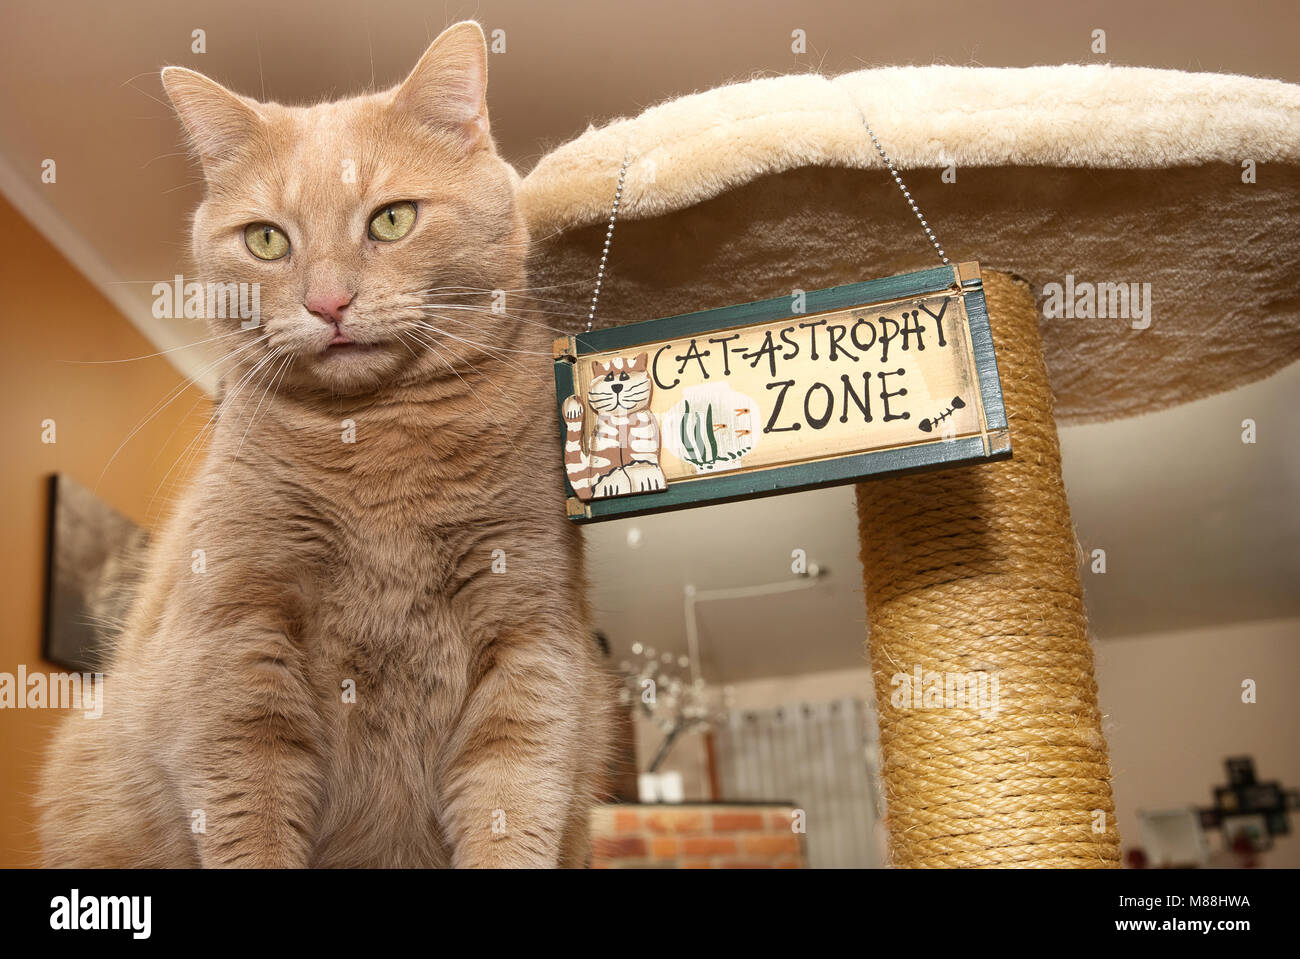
[1198, 528]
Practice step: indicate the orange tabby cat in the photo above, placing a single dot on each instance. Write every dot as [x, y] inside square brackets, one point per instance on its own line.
[361, 640]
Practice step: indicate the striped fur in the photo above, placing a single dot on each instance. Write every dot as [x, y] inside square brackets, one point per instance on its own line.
[623, 454]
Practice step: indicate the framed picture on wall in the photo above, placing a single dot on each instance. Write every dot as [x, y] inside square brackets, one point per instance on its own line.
[94, 557]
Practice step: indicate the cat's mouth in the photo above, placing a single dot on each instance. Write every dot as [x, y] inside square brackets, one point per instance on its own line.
[342, 343]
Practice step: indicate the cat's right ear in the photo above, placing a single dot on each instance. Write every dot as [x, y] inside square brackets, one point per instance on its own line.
[219, 123]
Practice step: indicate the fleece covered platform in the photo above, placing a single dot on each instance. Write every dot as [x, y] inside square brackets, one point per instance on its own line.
[1123, 195]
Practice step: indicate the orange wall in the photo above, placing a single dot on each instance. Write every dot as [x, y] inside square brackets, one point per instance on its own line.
[50, 314]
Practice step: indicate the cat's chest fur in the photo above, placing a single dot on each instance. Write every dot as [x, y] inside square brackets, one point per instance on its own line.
[389, 656]
[387, 551]
[384, 615]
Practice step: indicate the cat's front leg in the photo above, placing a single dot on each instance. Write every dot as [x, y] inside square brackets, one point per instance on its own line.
[508, 772]
[253, 760]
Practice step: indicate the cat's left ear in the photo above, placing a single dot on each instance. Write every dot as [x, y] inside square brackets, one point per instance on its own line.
[641, 362]
[448, 87]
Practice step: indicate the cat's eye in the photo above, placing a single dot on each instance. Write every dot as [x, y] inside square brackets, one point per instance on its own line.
[622, 376]
[392, 222]
[266, 242]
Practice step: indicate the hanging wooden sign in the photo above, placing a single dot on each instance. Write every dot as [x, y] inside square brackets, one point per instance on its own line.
[817, 389]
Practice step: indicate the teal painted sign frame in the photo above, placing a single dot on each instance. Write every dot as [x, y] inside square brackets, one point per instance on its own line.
[961, 279]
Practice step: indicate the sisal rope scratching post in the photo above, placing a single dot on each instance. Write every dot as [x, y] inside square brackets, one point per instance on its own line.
[974, 569]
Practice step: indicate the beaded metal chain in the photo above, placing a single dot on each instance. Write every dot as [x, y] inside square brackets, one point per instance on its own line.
[899, 180]
[609, 237]
[618, 198]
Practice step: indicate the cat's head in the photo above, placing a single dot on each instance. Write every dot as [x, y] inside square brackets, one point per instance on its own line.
[621, 385]
[366, 223]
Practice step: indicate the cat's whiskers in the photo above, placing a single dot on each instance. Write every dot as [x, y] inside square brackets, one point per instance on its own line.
[425, 338]
[492, 417]
[491, 313]
[401, 339]
[438, 302]
[453, 336]
[524, 292]
[527, 292]
[486, 351]
[172, 396]
[220, 409]
[162, 482]
[525, 295]
[284, 364]
[427, 309]
[225, 409]
[444, 305]
[185, 457]
[489, 351]
[192, 448]
[149, 356]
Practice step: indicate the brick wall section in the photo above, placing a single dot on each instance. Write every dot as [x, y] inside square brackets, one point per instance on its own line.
[695, 837]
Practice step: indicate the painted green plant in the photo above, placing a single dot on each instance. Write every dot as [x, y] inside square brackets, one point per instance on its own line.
[699, 441]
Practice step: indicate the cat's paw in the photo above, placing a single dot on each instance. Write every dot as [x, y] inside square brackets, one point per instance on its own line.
[572, 409]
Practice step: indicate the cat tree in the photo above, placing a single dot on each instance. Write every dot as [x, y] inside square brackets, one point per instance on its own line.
[1083, 181]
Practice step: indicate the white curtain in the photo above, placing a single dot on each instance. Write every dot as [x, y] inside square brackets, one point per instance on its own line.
[822, 758]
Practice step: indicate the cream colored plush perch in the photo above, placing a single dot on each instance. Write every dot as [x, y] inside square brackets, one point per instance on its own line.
[1108, 175]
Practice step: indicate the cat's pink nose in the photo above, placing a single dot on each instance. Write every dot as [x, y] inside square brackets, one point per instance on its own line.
[328, 306]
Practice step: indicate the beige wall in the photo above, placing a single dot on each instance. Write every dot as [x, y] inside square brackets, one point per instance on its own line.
[50, 315]
[1173, 711]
